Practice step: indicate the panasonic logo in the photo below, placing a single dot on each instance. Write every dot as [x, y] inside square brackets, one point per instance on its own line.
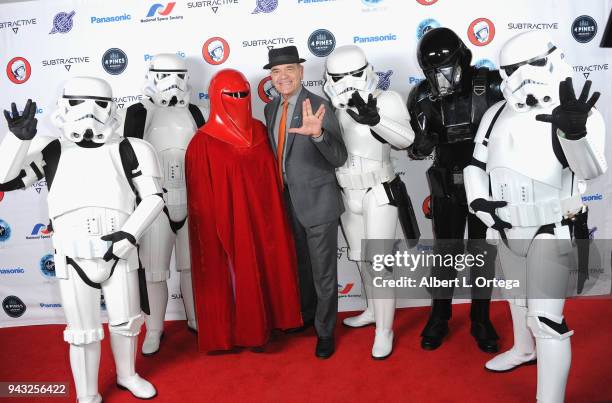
[117, 18]
[594, 197]
[377, 38]
[12, 270]
[43, 305]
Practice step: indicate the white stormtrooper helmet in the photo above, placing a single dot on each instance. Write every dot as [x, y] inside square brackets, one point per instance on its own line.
[532, 68]
[167, 81]
[86, 111]
[347, 70]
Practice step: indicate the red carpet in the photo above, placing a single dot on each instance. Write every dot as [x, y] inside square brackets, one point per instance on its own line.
[289, 372]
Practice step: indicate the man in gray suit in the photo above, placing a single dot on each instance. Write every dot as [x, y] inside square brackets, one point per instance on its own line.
[309, 148]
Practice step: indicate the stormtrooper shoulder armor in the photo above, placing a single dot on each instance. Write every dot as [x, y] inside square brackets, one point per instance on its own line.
[148, 163]
[135, 120]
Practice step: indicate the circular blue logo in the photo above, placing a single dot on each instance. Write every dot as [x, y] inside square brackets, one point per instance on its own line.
[584, 29]
[114, 61]
[47, 266]
[425, 26]
[5, 231]
[13, 306]
[384, 79]
[486, 63]
[321, 42]
[265, 6]
[62, 22]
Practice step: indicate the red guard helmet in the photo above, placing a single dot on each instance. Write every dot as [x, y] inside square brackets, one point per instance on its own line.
[230, 108]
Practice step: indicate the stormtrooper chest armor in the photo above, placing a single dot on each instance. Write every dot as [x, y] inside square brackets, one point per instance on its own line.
[361, 143]
[169, 130]
[89, 177]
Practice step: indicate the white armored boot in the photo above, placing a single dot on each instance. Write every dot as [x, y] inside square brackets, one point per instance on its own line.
[384, 311]
[187, 292]
[124, 352]
[365, 318]
[85, 362]
[523, 351]
[554, 360]
[158, 300]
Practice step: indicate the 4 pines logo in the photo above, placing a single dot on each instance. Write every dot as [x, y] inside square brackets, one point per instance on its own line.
[321, 42]
[481, 31]
[18, 70]
[114, 61]
[584, 29]
[161, 12]
[265, 6]
[62, 22]
[13, 306]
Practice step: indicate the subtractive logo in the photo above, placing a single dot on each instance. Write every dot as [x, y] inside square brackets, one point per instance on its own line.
[62, 22]
[266, 90]
[5, 231]
[321, 42]
[106, 20]
[426, 26]
[13, 306]
[16, 24]
[215, 50]
[122, 101]
[427, 2]
[586, 70]
[114, 61]
[384, 79]
[481, 31]
[265, 6]
[533, 26]
[47, 266]
[584, 29]
[375, 38]
[18, 70]
[269, 42]
[67, 62]
[212, 4]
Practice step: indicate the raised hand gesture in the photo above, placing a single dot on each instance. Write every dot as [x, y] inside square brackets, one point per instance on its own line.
[571, 115]
[368, 113]
[24, 126]
[312, 123]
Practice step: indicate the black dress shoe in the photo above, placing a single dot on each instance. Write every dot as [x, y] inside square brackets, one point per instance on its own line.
[325, 347]
[300, 329]
[433, 334]
[485, 336]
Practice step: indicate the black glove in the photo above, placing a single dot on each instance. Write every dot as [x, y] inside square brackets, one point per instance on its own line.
[368, 113]
[571, 115]
[116, 237]
[487, 206]
[24, 126]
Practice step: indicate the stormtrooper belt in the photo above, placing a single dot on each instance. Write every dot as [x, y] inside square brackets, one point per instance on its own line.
[535, 215]
[365, 180]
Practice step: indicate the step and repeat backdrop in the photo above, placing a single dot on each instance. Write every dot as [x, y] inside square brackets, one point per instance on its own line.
[43, 43]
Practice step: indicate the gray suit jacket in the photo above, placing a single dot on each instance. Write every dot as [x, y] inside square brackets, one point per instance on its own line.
[310, 166]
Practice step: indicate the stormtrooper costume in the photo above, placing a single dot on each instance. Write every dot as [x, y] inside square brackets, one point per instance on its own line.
[372, 121]
[167, 121]
[104, 192]
[533, 153]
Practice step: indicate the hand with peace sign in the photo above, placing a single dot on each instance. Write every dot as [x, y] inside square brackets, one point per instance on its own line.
[571, 115]
[312, 124]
